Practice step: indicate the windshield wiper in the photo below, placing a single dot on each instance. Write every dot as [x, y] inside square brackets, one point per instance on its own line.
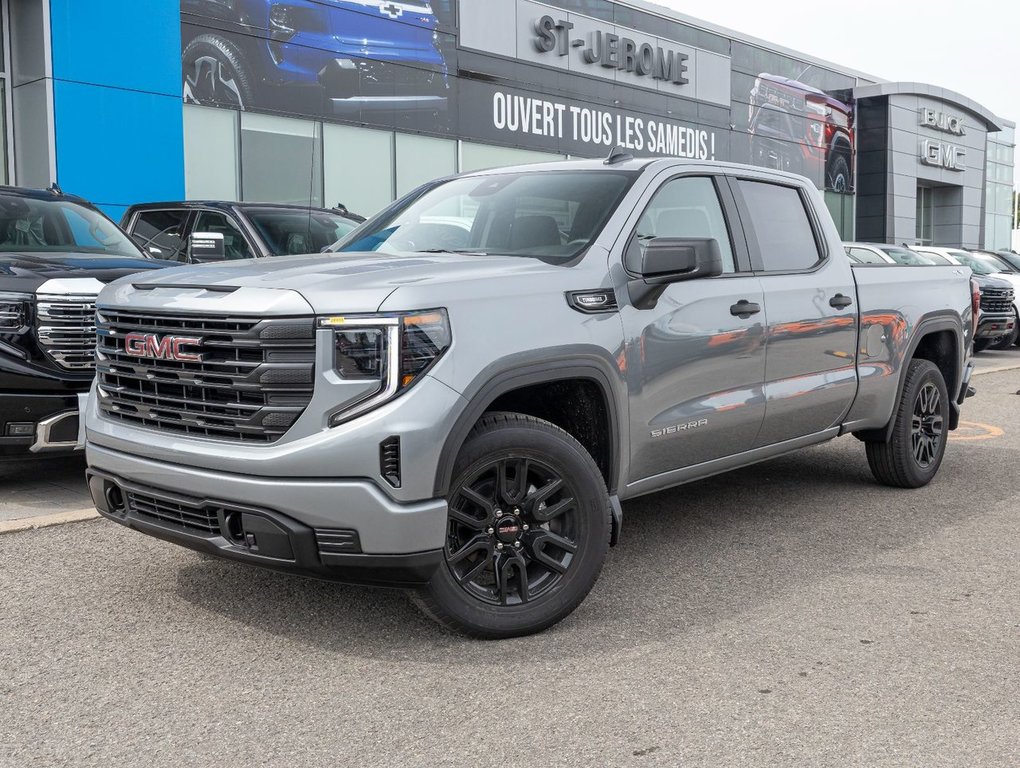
[471, 251]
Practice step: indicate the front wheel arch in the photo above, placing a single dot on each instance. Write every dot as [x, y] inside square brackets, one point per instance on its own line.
[515, 376]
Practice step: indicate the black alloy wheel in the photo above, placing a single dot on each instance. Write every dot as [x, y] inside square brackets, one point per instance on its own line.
[528, 528]
[513, 530]
[927, 425]
[912, 455]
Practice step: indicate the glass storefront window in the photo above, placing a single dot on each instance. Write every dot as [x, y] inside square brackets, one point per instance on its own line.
[475, 157]
[281, 160]
[422, 158]
[4, 175]
[925, 216]
[210, 153]
[358, 168]
[841, 207]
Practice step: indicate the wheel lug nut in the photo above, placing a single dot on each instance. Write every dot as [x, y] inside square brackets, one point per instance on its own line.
[517, 545]
[499, 513]
[491, 531]
[499, 546]
[517, 513]
[524, 527]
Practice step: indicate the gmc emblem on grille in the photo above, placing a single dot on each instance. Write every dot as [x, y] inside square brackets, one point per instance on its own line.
[162, 347]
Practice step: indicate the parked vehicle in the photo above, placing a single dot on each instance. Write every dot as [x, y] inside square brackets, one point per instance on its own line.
[239, 230]
[467, 423]
[880, 253]
[341, 57]
[56, 252]
[799, 128]
[985, 266]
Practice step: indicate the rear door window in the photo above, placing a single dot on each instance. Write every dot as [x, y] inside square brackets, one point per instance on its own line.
[161, 233]
[235, 245]
[864, 256]
[781, 225]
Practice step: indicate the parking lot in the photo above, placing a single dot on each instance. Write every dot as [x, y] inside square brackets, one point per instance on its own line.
[791, 613]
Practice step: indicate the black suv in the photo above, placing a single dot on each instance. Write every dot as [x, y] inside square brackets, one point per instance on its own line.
[182, 231]
[56, 252]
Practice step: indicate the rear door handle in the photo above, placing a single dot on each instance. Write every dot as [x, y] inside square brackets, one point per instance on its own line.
[745, 309]
[839, 301]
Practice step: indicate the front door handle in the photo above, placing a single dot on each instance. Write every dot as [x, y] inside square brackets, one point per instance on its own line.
[839, 301]
[744, 309]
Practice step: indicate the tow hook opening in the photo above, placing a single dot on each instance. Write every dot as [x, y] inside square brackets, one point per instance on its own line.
[114, 499]
[256, 534]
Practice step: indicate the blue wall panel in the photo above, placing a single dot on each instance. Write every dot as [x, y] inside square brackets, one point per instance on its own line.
[133, 44]
[118, 115]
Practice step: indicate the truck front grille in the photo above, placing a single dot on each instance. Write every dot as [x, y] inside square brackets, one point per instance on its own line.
[238, 378]
[997, 300]
[66, 329]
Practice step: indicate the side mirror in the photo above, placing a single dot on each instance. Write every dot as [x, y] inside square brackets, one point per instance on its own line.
[206, 246]
[672, 259]
[666, 260]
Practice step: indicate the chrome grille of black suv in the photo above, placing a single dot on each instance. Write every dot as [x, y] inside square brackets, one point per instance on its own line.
[997, 300]
[252, 380]
[66, 329]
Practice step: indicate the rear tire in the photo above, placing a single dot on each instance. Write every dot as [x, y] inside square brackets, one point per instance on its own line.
[911, 458]
[527, 532]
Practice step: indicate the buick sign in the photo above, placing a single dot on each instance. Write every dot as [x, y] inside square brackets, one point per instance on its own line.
[612, 51]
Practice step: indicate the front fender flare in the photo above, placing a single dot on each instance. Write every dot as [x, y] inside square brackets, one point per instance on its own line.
[538, 367]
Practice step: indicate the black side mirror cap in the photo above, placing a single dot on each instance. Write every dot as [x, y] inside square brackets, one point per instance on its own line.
[666, 260]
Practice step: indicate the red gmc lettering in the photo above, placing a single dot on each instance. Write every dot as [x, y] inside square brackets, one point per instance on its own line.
[161, 348]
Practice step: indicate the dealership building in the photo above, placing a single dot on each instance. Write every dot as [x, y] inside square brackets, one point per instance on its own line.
[359, 101]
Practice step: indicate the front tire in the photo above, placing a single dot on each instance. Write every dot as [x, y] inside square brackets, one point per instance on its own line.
[913, 456]
[839, 173]
[216, 73]
[527, 532]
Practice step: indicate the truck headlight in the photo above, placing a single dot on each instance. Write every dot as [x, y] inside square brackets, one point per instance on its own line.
[13, 311]
[393, 350]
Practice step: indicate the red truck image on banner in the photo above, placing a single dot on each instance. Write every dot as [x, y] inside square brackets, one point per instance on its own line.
[799, 128]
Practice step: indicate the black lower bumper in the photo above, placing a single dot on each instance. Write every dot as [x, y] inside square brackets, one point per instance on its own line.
[37, 424]
[994, 326]
[256, 536]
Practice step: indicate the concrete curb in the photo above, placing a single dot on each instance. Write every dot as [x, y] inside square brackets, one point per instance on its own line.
[998, 369]
[45, 521]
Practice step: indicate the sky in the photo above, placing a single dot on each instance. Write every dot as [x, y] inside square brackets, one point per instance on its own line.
[968, 47]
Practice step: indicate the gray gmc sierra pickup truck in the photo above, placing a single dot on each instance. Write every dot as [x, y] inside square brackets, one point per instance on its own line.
[460, 398]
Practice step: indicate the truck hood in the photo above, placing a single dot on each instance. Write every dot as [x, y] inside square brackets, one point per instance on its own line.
[27, 271]
[354, 282]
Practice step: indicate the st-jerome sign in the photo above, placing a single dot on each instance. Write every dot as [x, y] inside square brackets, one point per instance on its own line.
[612, 51]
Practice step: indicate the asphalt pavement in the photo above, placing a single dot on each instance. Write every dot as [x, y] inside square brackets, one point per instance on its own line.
[793, 613]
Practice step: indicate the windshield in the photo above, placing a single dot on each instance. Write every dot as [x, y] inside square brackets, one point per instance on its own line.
[903, 256]
[1011, 258]
[979, 265]
[553, 216]
[287, 232]
[28, 225]
[935, 258]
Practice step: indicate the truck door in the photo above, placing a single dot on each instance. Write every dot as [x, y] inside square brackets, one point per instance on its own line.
[695, 361]
[810, 295]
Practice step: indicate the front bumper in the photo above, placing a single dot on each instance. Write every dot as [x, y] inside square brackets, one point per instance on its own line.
[343, 530]
[40, 425]
[994, 326]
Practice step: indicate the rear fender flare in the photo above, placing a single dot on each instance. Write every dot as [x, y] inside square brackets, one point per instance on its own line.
[941, 321]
